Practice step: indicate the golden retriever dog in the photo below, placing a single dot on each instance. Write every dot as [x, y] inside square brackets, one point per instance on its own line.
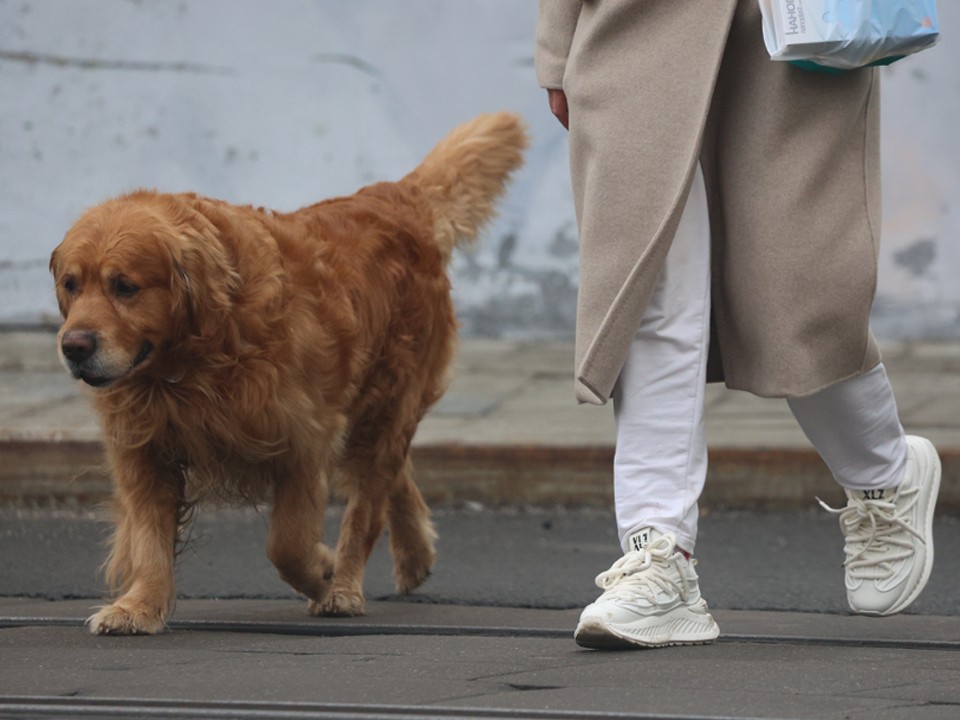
[245, 354]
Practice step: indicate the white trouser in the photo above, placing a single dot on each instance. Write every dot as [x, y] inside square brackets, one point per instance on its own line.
[661, 455]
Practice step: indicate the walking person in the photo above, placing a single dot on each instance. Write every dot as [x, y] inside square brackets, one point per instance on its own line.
[729, 217]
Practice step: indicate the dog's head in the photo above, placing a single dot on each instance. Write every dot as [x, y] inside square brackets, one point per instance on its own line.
[133, 279]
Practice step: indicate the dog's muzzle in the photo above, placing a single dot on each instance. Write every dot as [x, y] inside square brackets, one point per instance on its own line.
[79, 351]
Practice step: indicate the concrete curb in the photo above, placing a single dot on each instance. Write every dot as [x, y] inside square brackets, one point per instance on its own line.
[74, 473]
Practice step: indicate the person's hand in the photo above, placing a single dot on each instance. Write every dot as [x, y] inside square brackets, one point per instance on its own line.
[558, 106]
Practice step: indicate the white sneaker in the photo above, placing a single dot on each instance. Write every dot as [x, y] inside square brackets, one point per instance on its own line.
[651, 598]
[889, 536]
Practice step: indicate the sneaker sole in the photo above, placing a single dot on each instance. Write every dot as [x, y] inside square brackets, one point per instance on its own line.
[698, 630]
[930, 463]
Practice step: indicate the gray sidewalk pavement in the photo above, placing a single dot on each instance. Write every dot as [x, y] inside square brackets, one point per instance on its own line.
[507, 431]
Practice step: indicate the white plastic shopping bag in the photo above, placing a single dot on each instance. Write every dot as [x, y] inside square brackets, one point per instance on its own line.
[847, 34]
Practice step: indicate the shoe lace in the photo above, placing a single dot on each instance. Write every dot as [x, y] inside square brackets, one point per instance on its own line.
[644, 573]
[877, 533]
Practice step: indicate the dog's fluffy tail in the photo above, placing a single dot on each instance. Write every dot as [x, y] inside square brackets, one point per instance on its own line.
[467, 172]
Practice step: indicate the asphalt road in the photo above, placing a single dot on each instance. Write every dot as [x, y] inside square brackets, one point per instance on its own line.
[524, 558]
[495, 640]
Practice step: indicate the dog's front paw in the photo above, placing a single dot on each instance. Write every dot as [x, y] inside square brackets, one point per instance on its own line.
[339, 603]
[118, 619]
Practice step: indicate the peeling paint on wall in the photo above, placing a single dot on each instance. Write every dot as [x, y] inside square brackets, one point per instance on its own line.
[918, 258]
[285, 104]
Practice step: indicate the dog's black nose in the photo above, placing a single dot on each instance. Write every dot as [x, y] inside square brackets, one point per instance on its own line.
[78, 345]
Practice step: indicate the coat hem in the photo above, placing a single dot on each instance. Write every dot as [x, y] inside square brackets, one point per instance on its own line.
[781, 394]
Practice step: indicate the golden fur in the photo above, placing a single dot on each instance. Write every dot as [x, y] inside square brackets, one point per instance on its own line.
[243, 353]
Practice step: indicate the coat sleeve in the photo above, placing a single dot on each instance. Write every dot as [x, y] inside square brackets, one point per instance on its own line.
[556, 22]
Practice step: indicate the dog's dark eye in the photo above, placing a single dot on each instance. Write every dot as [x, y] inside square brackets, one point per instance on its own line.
[124, 288]
[70, 285]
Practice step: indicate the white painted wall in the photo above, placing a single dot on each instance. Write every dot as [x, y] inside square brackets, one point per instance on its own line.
[284, 103]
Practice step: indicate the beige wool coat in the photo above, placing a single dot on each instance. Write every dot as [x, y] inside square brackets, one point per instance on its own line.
[791, 163]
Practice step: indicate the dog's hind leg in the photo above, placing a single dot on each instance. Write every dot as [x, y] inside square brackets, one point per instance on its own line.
[296, 529]
[359, 531]
[411, 532]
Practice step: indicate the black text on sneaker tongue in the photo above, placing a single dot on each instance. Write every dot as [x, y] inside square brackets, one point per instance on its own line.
[640, 539]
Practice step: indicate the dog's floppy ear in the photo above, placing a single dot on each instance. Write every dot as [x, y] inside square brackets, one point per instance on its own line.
[202, 278]
[55, 271]
[54, 261]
